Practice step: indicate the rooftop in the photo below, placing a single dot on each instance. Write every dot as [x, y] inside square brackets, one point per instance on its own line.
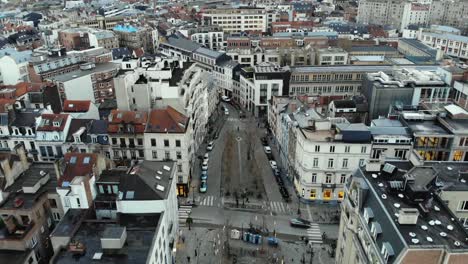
[52, 122]
[77, 164]
[167, 120]
[76, 106]
[136, 249]
[357, 68]
[100, 67]
[399, 188]
[372, 48]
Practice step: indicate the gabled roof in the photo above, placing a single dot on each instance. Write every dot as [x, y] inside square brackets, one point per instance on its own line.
[136, 118]
[77, 164]
[167, 120]
[76, 106]
[48, 120]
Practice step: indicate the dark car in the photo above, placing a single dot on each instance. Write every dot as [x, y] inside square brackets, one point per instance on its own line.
[299, 222]
[264, 141]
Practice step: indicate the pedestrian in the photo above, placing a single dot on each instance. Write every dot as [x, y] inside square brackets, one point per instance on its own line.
[188, 259]
[183, 239]
[196, 254]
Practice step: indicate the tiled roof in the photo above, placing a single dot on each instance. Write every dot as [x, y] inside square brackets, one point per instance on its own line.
[76, 106]
[136, 118]
[167, 120]
[77, 164]
[48, 120]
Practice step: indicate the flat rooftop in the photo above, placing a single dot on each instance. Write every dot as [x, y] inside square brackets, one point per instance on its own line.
[435, 227]
[135, 250]
[100, 67]
[357, 68]
[426, 128]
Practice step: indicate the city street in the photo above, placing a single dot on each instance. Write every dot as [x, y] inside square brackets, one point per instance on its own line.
[242, 193]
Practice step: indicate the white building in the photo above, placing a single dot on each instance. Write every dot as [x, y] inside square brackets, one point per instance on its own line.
[331, 56]
[235, 20]
[451, 44]
[51, 133]
[260, 83]
[325, 157]
[414, 14]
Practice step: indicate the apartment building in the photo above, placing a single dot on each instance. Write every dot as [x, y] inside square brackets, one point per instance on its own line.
[126, 132]
[391, 140]
[381, 12]
[90, 82]
[236, 20]
[134, 37]
[208, 38]
[454, 45]
[46, 63]
[143, 210]
[324, 157]
[452, 13]
[414, 14]
[74, 38]
[27, 208]
[392, 213]
[402, 87]
[331, 56]
[168, 136]
[51, 134]
[258, 84]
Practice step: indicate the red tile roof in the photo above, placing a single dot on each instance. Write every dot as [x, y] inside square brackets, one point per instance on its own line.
[77, 164]
[136, 118]
[167, 120]
[76, 106]
[47, 123]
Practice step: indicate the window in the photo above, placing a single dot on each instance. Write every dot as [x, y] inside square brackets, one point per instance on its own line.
[177, 143]
[368, 214]
[313, 194]
[166, 142]
[361, 162]
[53, 203]
[458, 155]
[56, 216]
[386, 251]
[139, 141]
[33, 241]
[167, 155]
[330, 163]
[376, 229]
[67, 202]
[114, 141]
[179, 167]
[78, 202]
[345, 163]
[328, 178]
[155, 154]
[363, 149]
[317, 148]
[400, 153]
[315, 163]
[153, 142]
[314, 177]
[332, 149]
[343, 178]
[463, 206]
[340, 195]
[347, 149]
[179, 155]
[327, 194]
[141, 154]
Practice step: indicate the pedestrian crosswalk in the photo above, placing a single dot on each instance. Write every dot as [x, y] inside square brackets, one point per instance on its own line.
[210, 200]
[184, 212]
[280, 207]
[314, 234]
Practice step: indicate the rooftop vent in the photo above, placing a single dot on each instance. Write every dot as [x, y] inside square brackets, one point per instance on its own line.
[408, 216]
[113, 237]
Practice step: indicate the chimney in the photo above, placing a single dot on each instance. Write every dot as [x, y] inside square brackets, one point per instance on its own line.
[408, 216]
[58, 171]
[5, 164]
[21, 152]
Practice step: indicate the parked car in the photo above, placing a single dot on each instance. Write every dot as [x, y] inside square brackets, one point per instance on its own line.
[203, 186]
[225, 98]
[273, 164]
[204, 176]
[226, 111]
[204, 166]
[264, 141]
[206, 157]
[276, 172]
[299, 222]
[210, 146]
[267, 150]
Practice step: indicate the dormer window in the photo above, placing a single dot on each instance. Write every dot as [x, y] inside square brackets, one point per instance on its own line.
[376, 229]
[56, 124]
[368, 214]
[77, 140]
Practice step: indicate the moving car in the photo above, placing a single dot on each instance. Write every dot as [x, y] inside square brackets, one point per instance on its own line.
[204, 166]
[204, 176]
[299, 222]
[206, 157]
[226, 111]
[225, 98]
[273, 164]
[267, 149]
[203, 186]
[210, 146]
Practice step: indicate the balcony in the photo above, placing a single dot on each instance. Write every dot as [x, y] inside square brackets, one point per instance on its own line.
[328, 185]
